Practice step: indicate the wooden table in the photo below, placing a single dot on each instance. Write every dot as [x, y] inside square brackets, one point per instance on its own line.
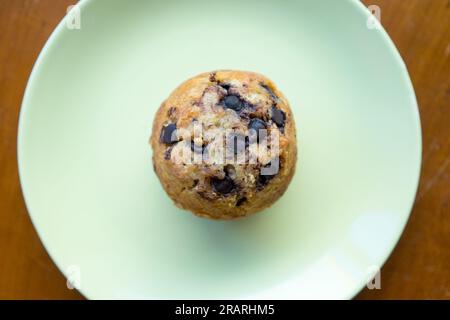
[420, 264]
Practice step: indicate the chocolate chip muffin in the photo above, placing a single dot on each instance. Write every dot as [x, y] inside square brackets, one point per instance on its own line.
[224, 144]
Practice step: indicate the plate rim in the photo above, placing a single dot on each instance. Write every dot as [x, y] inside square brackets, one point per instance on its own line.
[57, 32]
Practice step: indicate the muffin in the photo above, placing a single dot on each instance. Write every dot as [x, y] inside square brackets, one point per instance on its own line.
[224, 144]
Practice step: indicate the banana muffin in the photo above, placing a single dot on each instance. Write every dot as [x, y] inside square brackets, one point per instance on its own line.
[224, 144]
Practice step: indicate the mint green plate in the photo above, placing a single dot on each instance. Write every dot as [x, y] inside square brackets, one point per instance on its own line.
[99, 209]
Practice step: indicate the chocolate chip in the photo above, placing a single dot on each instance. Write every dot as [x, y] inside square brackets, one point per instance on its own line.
[223, 186]
[257, 124]
[168, 134]
[226, 86]
[270, 91]
[278, 116]
[241, 201]
[263, 180]
[233, 102]
[196, 148]
[167, 153]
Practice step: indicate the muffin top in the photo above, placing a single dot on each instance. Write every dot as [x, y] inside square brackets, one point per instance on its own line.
[225, 135]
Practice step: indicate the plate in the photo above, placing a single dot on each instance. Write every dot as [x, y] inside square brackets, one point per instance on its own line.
[99, 209]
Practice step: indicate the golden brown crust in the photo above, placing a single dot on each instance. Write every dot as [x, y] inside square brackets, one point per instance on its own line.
[189, 185]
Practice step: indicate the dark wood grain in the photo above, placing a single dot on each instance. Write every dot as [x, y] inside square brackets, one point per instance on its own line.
[420, 264]
[26, 271]
[419, 268]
